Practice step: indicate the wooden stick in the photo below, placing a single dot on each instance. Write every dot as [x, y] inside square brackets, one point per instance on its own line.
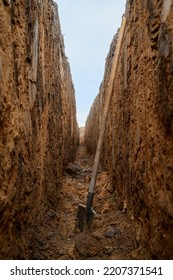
[105, 114]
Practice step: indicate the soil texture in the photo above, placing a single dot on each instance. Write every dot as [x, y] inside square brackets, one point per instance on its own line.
[112, 235]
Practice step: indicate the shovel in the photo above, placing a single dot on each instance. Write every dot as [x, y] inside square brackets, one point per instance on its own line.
[86, 213]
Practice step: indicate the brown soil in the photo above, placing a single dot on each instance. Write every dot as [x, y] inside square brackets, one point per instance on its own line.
[112, 236]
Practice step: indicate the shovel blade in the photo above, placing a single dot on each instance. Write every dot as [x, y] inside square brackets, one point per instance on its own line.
[84, 217]
[80, 218]
[89, 218]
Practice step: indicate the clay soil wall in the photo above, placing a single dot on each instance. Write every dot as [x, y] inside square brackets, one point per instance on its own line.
[38, 128]
[138, 142]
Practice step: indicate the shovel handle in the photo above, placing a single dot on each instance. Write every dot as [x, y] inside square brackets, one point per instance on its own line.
[107, 105]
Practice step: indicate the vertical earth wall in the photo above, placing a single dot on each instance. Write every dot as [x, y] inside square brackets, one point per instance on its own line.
[38, 128]
[138, 142]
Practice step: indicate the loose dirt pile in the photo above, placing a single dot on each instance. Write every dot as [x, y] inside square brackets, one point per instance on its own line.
[112, 237]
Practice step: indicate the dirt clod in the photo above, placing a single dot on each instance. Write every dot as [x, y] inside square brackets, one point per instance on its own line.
[87, 245]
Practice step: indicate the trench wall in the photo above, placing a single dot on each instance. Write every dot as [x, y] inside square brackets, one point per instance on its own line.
[138, 142]
[38, 128]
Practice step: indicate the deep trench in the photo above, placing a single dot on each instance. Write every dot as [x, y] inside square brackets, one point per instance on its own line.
[43, 178]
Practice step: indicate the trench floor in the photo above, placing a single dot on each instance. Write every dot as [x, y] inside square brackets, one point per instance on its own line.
[112, 236]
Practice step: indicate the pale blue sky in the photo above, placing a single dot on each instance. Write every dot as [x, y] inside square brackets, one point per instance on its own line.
[88, 27]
